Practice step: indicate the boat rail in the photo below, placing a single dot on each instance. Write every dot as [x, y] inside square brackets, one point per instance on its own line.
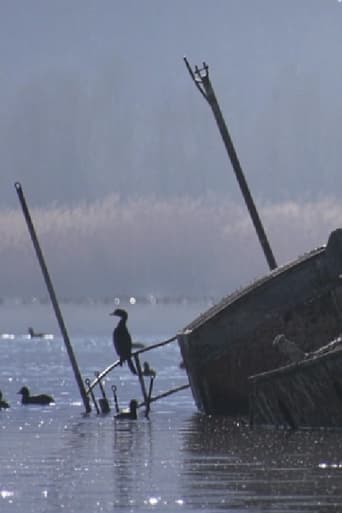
[147, 394]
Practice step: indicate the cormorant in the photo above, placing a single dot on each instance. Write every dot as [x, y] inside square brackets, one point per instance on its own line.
[131, 414]
[122, 340]
[26, 398]
[3, 404]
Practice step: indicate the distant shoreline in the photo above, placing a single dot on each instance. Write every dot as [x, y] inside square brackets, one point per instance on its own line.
[122, 299]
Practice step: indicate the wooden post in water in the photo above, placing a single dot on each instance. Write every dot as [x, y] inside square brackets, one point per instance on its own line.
[203, 84]
[53, 297]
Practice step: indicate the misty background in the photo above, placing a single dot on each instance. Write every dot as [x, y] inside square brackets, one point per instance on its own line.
[119, 156]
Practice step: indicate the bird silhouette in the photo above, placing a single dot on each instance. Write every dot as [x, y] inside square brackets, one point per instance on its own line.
[122, 340]
[34, 334]
[131, 414]
[26, 398]
[148, 371]
[3, 403]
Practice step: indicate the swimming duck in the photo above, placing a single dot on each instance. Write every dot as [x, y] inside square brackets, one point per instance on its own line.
[3, 404]
[26, 398]
[131, 414]
[122, 340]
[33, 334]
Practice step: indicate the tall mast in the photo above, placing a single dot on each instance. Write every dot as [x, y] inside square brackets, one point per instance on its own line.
[203, 84]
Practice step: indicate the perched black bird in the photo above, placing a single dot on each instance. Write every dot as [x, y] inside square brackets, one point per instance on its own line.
[3, 404]
[26, 398]
[148, 371]
[131, 414]
[122, 340]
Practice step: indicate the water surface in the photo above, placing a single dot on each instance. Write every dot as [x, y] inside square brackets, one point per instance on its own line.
[55, 459]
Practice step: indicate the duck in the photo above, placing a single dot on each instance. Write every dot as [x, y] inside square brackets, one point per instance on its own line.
[131, 414]
[26, 398]
[122, 340]
[33, 334]
[3, 404]
[148, 371]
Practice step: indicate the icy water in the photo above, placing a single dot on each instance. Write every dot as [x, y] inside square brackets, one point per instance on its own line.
[55, 459]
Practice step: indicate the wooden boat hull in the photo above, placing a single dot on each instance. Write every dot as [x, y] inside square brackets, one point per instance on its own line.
[233, 339]
[305, 394]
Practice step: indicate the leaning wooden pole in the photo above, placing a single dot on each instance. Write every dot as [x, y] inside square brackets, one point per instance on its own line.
[53, 297]
[203, 84]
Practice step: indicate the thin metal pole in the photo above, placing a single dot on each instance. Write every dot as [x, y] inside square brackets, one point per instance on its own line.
[165, 394]
[141, 377]
[112, 366]
[202, 82]
[53, 297]
[148, 404]
[92, 395]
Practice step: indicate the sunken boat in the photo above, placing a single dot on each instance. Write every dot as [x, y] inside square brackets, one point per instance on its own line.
[232, 341]
[306, 393]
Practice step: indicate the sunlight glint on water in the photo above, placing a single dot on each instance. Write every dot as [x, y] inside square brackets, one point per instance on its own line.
[55, 459]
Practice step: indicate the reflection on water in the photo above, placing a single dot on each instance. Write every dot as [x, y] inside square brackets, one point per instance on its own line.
[54, 459]
[174, 461]
[181, 463]
[227, 466]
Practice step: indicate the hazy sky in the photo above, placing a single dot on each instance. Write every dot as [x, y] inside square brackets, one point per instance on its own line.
[120, 154]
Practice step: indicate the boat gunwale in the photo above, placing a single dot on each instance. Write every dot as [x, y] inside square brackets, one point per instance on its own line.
[240, 293]
[313, 359]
